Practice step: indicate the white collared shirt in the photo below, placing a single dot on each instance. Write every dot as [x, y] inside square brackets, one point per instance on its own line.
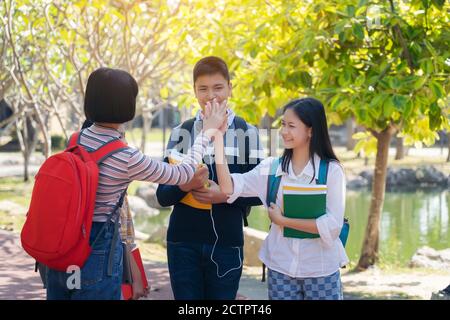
[300, 258]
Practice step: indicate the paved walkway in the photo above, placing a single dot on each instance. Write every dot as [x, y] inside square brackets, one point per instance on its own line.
[18, 280]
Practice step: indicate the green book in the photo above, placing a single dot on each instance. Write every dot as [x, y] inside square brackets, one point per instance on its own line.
[303, 202]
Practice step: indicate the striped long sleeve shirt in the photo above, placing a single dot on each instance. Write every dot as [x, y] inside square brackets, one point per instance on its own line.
[118, 170]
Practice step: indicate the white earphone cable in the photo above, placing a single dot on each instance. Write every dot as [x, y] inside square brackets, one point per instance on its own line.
[215, 243]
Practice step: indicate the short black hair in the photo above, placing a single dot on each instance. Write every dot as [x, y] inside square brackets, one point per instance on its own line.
[110, 96]
[211, 65]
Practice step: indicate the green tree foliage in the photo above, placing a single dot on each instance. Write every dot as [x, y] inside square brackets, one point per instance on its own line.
[384, 63]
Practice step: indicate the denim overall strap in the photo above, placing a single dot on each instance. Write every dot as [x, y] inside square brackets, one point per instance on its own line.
[114, 214]
[114, 240]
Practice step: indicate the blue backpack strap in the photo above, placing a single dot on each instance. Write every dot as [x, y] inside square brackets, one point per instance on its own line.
[344, 232]
[323, 171]
[273, 182]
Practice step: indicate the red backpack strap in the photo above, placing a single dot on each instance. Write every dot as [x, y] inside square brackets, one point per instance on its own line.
[73, 140]
[108, 149]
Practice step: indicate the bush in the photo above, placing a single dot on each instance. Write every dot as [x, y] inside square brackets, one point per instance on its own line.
[58, 142]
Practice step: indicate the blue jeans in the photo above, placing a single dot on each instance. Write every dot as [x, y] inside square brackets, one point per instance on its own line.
[194, 276]
[95, 284]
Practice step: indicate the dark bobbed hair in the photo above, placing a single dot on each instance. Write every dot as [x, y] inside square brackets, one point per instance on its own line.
[312, 113]
[86, 124]
[110, 96]
[211, 65]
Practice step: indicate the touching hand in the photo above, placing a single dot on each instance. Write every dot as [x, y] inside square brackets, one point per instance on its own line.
[214, 118]
[211, 195]
[223, 128]
[275, 214]
[198, 181]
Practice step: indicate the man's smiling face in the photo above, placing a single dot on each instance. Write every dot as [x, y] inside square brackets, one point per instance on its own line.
[211, 86]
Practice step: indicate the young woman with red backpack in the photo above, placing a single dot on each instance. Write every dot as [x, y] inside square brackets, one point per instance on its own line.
[73, 222]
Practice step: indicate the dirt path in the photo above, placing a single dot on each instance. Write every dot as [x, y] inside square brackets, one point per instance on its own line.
[404, 284]
[18, 281]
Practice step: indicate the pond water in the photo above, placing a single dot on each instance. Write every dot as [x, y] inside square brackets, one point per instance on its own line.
[409, 220]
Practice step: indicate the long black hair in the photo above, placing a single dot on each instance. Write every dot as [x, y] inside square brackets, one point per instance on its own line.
[312, 113]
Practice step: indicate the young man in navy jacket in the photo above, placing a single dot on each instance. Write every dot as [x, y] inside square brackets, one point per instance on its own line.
[205, 235]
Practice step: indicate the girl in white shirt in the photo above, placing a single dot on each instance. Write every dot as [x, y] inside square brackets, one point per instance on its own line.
[298, 269]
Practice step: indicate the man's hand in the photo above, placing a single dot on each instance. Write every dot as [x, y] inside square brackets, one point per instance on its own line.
[198, 181]
[211, 195]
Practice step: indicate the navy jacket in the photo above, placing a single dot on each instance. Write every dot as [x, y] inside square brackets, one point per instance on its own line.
[188, 224]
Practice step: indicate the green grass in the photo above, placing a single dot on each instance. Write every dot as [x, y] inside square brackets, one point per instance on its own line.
[10, 222]
[154, 135]
[16, 190]
[133, 186]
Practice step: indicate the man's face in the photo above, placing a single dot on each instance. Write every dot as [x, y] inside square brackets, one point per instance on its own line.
[211, 86]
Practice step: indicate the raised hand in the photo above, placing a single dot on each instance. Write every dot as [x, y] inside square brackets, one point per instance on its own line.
[223, 128]
[214, 117]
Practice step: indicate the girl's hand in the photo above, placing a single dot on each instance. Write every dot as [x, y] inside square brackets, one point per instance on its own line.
[215, 115]
[138, 288]
[275, 214]
[223, 128]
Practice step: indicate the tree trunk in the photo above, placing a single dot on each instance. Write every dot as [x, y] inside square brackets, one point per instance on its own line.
[47, 143]
[400, 148]
[448, 144]
[28, 138]
[26, 151]
[369, 252]
[48, 136]
[22, 136]
[350, 130]
[26, 165]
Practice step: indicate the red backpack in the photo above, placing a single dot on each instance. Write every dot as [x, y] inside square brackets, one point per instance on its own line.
[58, 224]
